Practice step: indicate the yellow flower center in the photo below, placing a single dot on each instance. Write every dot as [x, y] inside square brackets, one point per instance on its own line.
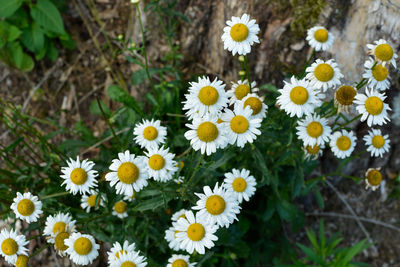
[378, 141]
[79, 176]
[9, 246]
[156, 162]
[83, 246]
[299, 95]
[242, 90]
[254, 103]
[181, 164]
[321, 35]
[313, 149]
[207, 131]
[59, 241]
[59, 227]
[315, 129]
[179, 263]
[239, 32]
[120, 207]
[120, 253]
[324, 72]
[128, 172]
[26, 207]
[150, 133]
[239, 124]
[22, 261]
[374, 177]
[343, 143]
[345, 95]
[374, 105]
[208, 95]
[239, 184]
[128, 264]
[384, 52]
[92, 201]
[380, 72]
[196, 232]
[215, 204]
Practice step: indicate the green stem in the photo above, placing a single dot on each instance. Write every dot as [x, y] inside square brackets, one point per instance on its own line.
[33, 237]
[93, 218]
[55, 195]
[107, 121]
[347, 123]
[39, 250]
[307, 64]
[247, 71]
[196, 168]
[144, 47]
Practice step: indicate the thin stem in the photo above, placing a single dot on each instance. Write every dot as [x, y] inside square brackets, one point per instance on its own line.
[196, 168]
[144, 47]
[55, 195]
[347, 123]
[247, 71]
[307, 64]
[107, 121]
[39, 250]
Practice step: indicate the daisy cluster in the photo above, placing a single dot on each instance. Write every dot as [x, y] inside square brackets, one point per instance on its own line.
[302, 97]
[217, 207]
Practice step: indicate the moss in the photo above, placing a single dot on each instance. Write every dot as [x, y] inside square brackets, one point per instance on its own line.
[305, 14]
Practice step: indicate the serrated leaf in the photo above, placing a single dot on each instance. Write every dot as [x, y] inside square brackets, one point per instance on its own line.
[8, 7]
[47, 16]
[33, 38]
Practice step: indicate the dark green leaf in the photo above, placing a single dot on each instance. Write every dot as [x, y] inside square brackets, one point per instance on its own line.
[47, 16]
[8, 7]
[120, 95]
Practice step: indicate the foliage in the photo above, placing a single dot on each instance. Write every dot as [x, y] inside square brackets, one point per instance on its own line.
[325, 252]
[276, 159]
[29, 31]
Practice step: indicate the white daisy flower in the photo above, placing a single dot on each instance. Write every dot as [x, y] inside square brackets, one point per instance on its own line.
[373, 178]
[344, 97]
[79, 176]
[313, 130]
[22, 261]
[240, 34]
[256, 104]
[238, 125]
[128, 173]
[89, 201]
[377, 143]
[149, 134]
[195, 233]
[117, 250]
[319, 38]
[130, 259]
[372, 107]
[131, 197]
[57, 224]
[313, 152]
[342, 143]
[12, 245]
[27, 207]
[171, 238]
[217, 206]
[59, 239]
[383, 52]
[298, 98]
[161, 165]
[205, 97]
[177, 215]
[120, 209]
[324, 74]
[378, 76]
[180, 261]
[82, 249]
[240, 90]
[179, 180]
[240, 183]
[206, 134]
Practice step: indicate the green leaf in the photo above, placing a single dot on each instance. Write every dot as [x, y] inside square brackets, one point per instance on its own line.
[27, 63]
[33, 38]
[95, 110]
[150, 204]
[8, 7]
[47, 15]
[120, 95]
[140, 76]
[52, 52]
[13, 33]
